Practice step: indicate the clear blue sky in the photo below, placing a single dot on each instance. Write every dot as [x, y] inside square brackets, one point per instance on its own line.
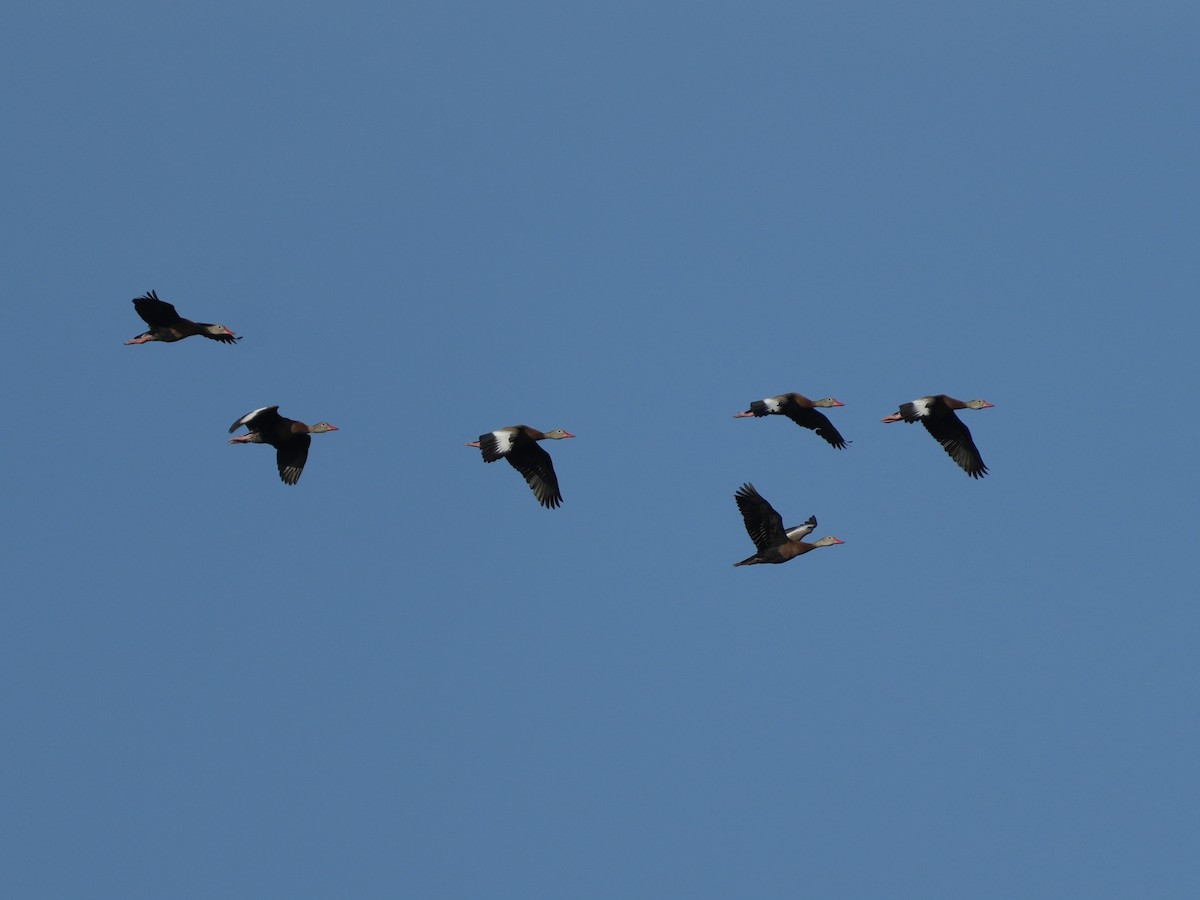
[402, 678]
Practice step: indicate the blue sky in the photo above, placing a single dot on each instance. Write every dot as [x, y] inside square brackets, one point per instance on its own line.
[402, 678]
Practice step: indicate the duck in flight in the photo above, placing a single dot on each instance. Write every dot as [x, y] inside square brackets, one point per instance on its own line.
[168, 326]
[289, 438]
[936, 413]
[519, 445]
[765, 526]
[802, 411]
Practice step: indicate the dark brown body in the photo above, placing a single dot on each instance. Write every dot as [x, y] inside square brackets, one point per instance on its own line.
[781, 554]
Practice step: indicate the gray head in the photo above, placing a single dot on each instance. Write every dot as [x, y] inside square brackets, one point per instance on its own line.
[827, 541]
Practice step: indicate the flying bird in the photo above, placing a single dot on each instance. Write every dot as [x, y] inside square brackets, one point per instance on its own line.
[518, 444]
[765, 527]
[802, 411]
[167, 325]
[289, 438]
[936, 413]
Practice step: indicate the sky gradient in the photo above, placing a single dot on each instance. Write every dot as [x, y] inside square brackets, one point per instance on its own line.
[403, 678]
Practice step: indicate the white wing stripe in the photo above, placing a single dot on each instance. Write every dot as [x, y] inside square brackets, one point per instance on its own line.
[503, 441]
[250, 415]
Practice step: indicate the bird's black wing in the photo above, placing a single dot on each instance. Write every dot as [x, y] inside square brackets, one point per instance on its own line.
[763, 523]
[955, 438]
[154, 312]
[262, 420]
[490, 447]
[537, 469]
[817, 421]
[291, 455]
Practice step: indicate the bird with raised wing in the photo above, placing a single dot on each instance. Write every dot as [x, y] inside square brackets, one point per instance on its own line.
[168, 326]
[765, 527]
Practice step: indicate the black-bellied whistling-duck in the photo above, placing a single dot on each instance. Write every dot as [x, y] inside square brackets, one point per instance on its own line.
[166, 324]
[518, 444]
[289, 438]
[800, 410]
[936, 413]
[765, 527]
